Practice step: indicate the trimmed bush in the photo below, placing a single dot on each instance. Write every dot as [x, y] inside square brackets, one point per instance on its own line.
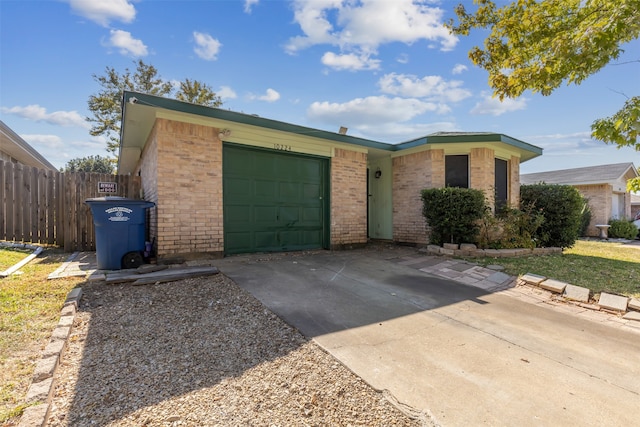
[453, 214]
[622, 229]
[561, 206]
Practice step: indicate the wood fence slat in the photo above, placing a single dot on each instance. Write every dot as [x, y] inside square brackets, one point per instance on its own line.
[3, 203]
[17, 203]
[35, 206]
[80, 187]
[43, 209]
[25, 204]
[59, 209]
[49, 206]
[10, 204]
[70, 229]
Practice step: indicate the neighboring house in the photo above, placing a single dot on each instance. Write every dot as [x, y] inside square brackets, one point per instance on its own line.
[605, 187]
[16, 150]
[225, 182]
[635, 205]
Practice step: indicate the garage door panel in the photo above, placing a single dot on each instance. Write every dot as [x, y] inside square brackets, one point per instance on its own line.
[242, 186]
[282, 198]
[311, 214]
[288, 214]
[264, 214]
[264, 188]
[311, 191]
[264, 240]
[238, 214]
[311, 236]
[237, 241]
[289, 191]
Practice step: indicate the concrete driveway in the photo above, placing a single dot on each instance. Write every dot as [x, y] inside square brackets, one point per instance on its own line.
[454, 352]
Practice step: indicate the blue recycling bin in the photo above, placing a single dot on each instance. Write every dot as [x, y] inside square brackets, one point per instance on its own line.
[120, 225]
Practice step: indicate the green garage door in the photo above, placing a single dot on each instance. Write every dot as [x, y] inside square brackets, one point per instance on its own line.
[274, 201]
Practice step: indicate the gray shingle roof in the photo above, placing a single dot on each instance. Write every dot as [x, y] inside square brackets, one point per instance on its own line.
[587, 175]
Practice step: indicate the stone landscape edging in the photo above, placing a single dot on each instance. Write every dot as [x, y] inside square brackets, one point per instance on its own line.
[42, 386]
[628, 308]
[471, 250]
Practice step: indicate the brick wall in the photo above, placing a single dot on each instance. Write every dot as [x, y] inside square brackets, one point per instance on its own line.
[599, 197]
[411, 174]
[348, 198]
[482, 172]
[189, 188]
[148, 170]
[514, 181]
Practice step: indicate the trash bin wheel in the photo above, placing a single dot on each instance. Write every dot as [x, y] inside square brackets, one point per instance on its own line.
[132, 260]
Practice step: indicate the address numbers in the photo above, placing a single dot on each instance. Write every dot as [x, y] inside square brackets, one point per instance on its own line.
[282, 147]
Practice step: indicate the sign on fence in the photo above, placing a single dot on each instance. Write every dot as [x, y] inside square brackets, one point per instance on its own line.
[108, 187]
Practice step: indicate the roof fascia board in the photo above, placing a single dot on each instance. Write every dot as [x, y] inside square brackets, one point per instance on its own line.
[256, 136]
[232, 116]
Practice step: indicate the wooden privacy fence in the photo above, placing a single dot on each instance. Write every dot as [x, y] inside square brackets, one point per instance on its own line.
[48, 207]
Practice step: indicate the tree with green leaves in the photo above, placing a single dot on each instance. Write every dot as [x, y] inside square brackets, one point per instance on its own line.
[199, 93]
[98, 164]
[537, 45]
[106, 104]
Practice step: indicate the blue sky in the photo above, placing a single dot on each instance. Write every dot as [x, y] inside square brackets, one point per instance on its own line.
[386, 70]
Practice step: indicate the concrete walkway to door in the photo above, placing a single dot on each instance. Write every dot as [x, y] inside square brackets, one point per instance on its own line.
[462, 354]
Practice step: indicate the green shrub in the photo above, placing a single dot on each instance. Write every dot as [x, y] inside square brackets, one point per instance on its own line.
[453, 214]
[510, 228]
[561, 206]
[622, 229]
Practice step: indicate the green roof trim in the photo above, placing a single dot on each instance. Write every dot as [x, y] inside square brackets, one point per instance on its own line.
[248, 119]
[528, 151]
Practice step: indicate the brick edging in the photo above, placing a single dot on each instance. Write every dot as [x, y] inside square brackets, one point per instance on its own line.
[626, 307]
[471, 250]
[42, 386]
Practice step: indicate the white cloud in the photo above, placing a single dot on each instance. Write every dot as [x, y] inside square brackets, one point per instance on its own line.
[563, 143]
[495, 107]
[350, 62]
[270, 95]
[396, 133]
[37, 113]
[363, 26]
[126, 44]
[104, 11]
[459, 69]
[207, 47]
[225, 92]
[433, 88]
[248, 5]
[372, 109]
[45, 141]
[403, 58]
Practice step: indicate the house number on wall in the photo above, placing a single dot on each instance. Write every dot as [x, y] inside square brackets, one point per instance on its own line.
[282, 147]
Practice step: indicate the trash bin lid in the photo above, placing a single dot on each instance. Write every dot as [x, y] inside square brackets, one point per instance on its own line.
[106, 199]
[119, 200]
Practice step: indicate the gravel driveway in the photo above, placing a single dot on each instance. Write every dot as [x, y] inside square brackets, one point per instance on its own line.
[203, 352]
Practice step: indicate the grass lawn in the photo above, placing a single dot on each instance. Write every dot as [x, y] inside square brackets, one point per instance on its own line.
[29, 311]
[600, 266]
